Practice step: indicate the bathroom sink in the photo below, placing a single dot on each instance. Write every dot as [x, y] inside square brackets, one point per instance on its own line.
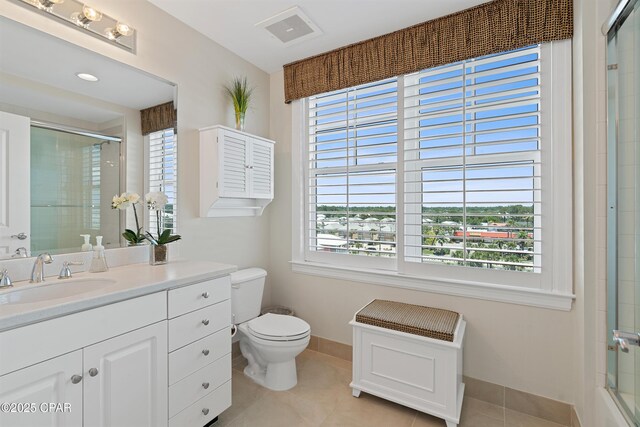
[53, 290]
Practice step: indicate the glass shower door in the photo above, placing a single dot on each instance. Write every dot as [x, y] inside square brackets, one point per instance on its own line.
[623, 213]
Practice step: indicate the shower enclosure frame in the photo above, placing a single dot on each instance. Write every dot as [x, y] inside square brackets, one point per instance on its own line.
[611, 30]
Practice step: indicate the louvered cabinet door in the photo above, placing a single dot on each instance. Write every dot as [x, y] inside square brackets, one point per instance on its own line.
[261, 169]
[234, 165]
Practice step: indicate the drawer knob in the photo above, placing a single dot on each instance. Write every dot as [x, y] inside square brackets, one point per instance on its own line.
[93, 372]
[205, 385]
[205, 322]
[205, 411]
[205, 295]
[75, 379]
[205, 352]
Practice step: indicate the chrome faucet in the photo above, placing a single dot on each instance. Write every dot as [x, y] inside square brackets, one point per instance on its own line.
[5, 280]
[37, 274]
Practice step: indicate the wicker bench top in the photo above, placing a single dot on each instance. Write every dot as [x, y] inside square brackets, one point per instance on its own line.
[410, 318]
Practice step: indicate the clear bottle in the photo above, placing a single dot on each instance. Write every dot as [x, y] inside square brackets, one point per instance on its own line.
[99, 261]
[86, 247]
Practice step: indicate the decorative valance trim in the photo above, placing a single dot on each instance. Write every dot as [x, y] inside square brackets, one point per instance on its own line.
[160, 117]
[493, 27]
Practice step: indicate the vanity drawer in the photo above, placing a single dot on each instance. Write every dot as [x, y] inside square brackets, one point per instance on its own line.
[188, 390]
[213, 404]
[193, 297]
[190, 358]
[192, 326]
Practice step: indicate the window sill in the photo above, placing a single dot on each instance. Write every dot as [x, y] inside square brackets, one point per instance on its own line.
[508, 294]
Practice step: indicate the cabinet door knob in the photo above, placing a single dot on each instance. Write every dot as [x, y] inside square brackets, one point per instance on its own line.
[93, 372]
[75, 379]
[205, 322]
[205, 294]
[205, 352]
[205, 385]
[205, 411]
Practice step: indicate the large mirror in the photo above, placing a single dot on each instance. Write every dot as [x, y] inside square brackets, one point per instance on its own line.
[67, 145]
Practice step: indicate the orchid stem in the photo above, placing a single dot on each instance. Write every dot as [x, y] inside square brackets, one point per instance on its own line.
[135, 214]
[158, 221]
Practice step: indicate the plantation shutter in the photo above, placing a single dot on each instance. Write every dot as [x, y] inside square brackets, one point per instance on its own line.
[472, 162]
[352, 149]
[262, 169]
[234, 172]
[163, 174]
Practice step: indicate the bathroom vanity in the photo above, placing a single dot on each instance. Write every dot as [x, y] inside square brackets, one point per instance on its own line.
[151, 346]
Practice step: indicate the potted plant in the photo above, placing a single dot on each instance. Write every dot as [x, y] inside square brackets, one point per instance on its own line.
[240, 94]
[156, 201]
[123, 202]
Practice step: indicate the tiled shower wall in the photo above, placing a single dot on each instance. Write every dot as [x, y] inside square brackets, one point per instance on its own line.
[63, 172]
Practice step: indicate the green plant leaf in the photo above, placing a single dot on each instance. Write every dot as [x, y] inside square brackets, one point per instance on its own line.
[240, 94]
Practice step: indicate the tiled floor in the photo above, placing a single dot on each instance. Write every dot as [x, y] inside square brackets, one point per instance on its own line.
[323, 398]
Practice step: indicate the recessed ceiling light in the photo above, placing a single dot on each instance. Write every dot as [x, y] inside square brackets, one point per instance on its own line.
[88, 77]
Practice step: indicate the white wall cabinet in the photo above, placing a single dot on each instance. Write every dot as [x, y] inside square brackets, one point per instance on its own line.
[236, 172]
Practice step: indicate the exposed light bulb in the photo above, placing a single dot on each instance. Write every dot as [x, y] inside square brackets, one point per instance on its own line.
[47, 4]
[87, 16]
[120, 29]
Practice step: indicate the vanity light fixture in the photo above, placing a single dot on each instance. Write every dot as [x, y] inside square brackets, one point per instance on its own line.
[87, 77]
[47, 4]
[87, 18]
[118, 31]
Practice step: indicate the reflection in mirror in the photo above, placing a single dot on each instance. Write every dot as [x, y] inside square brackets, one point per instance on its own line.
[73, 177]
[82, 141]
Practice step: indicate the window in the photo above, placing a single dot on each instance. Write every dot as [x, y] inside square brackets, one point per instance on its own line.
[460, 173]
[472, 163]
[352, 171]
[163, 175]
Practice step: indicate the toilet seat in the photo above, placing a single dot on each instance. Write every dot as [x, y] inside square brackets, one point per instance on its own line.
[278, 327]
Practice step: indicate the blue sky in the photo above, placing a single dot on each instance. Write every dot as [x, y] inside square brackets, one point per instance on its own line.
[440, 137]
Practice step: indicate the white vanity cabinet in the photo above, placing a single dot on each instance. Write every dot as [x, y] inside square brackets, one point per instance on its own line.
[125, 379]
[55, 380]
[199, 352]
[236, 172]
[108, 364]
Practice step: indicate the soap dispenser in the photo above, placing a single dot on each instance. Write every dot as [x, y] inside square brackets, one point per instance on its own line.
[98, 262]
[86, 247]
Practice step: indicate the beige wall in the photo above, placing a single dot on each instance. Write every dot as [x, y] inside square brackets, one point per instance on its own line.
[521, 347]
[169, 49]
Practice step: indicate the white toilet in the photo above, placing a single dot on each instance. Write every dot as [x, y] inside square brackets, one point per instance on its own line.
[271, 342]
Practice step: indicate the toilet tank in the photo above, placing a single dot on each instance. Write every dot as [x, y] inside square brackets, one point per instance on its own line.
[246, 293]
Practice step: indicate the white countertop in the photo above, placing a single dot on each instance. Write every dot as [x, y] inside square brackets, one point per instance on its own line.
[130, 281]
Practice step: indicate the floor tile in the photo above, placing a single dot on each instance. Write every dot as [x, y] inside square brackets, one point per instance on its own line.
[518, 419]
[244, 394]
[371, 411]
[425, 420]
[472, 407]
[322, 398]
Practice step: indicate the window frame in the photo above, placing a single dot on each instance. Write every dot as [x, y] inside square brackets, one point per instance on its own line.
[551, 288]
[147, 183]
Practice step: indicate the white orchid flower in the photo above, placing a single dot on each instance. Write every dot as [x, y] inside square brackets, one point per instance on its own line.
[156, 200]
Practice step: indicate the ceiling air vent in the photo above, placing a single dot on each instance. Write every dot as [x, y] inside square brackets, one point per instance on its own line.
[291, 26]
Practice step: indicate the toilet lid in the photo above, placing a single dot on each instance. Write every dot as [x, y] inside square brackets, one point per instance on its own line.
[274, 326]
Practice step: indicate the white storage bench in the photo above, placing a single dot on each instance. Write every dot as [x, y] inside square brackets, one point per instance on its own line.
[411, 355]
